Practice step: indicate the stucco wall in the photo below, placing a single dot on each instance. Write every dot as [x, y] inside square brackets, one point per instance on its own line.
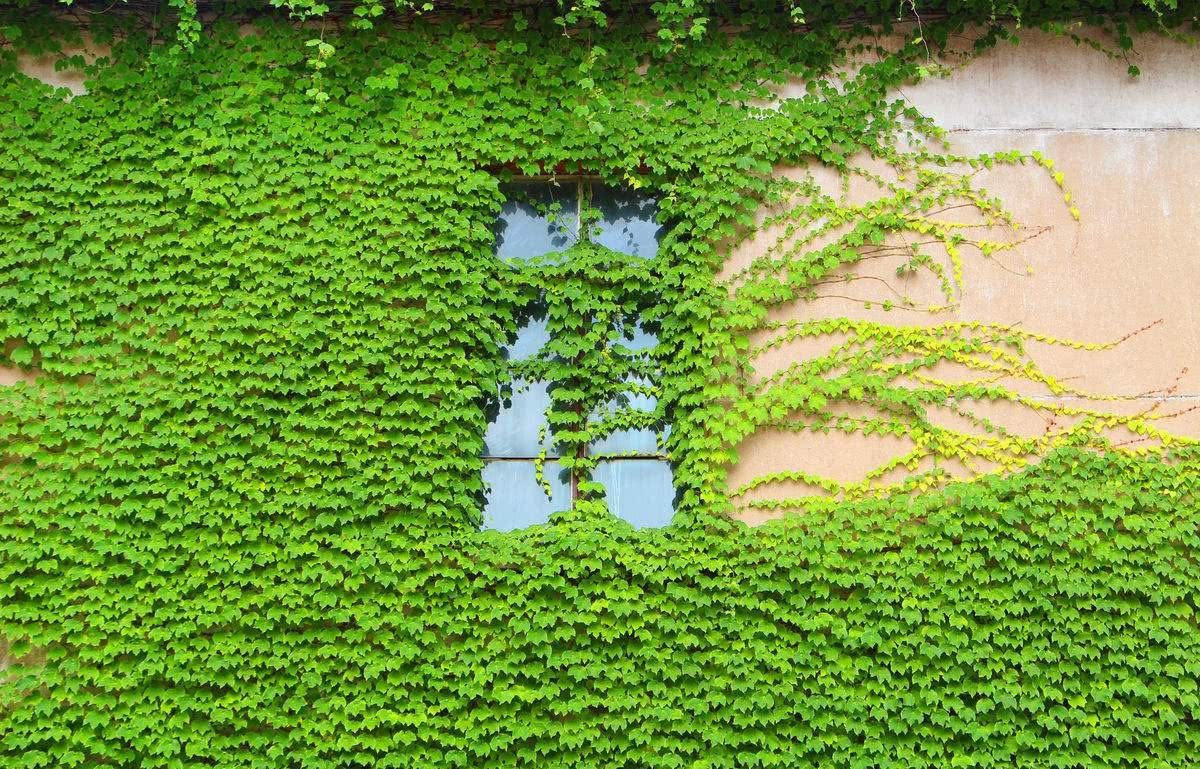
[1130, 151]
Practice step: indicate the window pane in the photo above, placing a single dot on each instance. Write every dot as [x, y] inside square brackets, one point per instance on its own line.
[523, 231]
[531, 338]
[640, 340]
[514, 498]
[632, 441]
[628, 441]
[626, 220]
[641, 491]
[514, 433]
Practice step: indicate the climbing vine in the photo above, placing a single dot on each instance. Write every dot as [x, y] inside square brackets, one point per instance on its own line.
[262, 333]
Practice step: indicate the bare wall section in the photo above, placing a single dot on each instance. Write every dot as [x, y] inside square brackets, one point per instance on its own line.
[1129, 149]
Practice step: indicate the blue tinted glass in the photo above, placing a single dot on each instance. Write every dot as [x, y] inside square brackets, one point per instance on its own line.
[631, 441]
[640, 340]
[514, 498]
[538, 218]
[642, 441]
[626, 220]
[641, 491]
[531, 338]
[514, 433]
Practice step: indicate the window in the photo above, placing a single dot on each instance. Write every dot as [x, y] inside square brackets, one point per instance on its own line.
[546, 216]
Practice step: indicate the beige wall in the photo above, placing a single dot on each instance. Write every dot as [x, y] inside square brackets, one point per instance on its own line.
[43, 68]
[1130, 151]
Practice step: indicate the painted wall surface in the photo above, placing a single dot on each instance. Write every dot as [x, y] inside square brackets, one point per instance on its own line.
[1130, 152]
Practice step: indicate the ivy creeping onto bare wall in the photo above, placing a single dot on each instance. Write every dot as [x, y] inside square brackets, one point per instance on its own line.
[264, 328]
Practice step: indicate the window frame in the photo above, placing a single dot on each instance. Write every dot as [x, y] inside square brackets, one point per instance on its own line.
[583, 185]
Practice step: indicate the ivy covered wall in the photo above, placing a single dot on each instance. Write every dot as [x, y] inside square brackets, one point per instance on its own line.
[263, 323]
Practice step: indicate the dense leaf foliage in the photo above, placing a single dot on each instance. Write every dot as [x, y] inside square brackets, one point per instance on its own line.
[240, 497]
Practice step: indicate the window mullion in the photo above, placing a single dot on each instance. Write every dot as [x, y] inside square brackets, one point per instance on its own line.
[581, 449]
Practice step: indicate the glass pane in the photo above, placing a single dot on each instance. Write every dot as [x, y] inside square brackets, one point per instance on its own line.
[514, 498]
[628, 441]
[538, 218]
[531, 338]
[636, 338]
[514, 433]
[641, 491]
[626, 220]
[632, 441]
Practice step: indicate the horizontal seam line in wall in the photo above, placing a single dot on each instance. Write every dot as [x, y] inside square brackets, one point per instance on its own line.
[1075, 130]
[1138, 398]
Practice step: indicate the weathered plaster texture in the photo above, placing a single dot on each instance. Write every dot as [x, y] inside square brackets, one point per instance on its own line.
[43, 68]
[1050, 82]
[1130, 152]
